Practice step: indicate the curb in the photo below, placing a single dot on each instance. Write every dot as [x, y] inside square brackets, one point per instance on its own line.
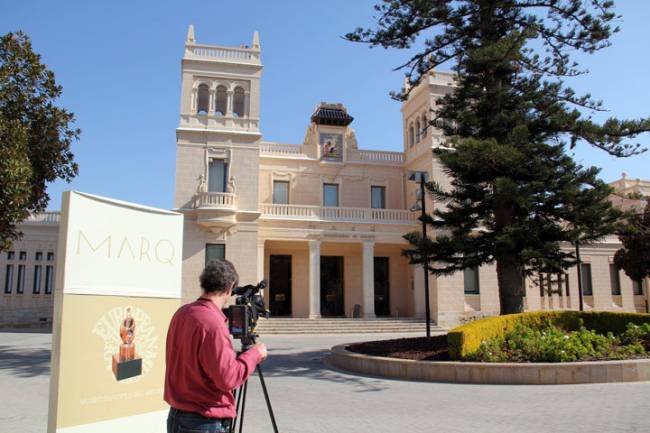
[634, 370]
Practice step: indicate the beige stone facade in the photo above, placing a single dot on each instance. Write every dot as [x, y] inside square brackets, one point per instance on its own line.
[321, 219]
[27, 273]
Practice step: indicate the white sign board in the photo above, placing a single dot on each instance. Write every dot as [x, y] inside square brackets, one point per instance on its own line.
[118, 282]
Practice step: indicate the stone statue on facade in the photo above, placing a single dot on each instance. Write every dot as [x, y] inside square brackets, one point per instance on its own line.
[231, 188]
[203, 185]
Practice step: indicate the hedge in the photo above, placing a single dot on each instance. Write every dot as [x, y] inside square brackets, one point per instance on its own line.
[466, 339]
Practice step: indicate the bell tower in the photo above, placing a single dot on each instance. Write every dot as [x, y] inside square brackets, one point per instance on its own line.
[217, 154]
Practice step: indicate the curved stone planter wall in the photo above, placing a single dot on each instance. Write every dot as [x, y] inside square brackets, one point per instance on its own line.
[492, 373]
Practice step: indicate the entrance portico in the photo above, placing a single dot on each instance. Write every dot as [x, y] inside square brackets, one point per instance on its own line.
[316, 278]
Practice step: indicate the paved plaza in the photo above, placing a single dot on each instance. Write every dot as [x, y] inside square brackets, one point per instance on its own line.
[310, 397]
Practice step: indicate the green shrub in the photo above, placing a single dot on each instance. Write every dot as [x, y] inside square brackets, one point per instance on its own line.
[467, 339]
[551, 343]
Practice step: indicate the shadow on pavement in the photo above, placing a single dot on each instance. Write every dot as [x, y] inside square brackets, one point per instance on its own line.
[310, 365]
[26, 362]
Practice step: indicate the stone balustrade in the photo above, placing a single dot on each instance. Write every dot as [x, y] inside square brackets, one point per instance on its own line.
[49, 217]
[246, 55]
[323, 213]
[381, 156]
[220, 122]
[281, 150]
[216, 200]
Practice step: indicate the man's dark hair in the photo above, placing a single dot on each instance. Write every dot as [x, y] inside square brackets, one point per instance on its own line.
[218, 275]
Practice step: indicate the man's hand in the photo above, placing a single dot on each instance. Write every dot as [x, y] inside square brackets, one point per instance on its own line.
[261, 348]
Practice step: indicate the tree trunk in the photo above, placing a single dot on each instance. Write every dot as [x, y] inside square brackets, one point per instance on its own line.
[511, 285]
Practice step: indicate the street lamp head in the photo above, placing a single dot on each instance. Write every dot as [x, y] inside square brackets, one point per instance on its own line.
[418, 176]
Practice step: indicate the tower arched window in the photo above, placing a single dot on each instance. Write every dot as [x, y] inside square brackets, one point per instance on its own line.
[203, 99]
[411, 136]
[238, 105]
[221, 105]
[424, 126]
[418, 130]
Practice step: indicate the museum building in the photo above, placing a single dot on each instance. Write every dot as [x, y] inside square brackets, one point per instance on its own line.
[321, 220]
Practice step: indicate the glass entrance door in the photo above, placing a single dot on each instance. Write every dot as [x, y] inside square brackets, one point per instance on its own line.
[382, 287]
[280, 285]
[331, 286]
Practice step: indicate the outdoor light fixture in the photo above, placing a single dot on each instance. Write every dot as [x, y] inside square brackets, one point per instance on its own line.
[422, 177]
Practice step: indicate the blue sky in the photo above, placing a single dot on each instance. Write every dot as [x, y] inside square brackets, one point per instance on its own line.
[119, 65]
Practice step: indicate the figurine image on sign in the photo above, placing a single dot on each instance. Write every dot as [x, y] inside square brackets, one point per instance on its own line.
[331, 147]
[126, 362]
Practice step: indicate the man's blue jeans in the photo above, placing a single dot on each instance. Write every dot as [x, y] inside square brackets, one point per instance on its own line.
[180, 421]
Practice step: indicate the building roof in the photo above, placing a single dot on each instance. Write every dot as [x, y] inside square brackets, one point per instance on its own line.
[331, 114]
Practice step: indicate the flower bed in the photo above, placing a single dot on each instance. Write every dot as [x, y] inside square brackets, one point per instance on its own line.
[550, 343]
[467, 339]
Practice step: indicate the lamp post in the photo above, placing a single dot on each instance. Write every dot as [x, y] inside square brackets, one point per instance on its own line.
[582, 305]
[422, 177]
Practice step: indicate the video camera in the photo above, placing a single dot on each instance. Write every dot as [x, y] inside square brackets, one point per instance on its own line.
[243, 316]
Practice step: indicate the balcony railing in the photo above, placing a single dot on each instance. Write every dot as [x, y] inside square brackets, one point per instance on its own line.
[322, 213]
[381, 156]
[216, 200]
[44, 218]
[246, 55]
[220, 122]
[281, 150]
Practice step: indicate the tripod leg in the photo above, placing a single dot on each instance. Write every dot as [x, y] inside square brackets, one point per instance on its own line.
[266, 397]
[243, 408]
[238, 393]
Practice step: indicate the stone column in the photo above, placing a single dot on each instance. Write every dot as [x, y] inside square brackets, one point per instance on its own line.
[368, 278]
[260, 269]
[314, 279]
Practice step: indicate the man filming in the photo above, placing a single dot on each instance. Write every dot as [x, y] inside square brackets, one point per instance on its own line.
[202, 367]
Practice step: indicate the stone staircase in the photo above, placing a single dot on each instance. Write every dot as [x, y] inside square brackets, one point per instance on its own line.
[343, 326]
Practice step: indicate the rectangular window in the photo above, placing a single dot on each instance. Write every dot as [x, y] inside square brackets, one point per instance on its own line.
[330, 194]
[49, 277]
[37, 279]
[587, 288]
[22, 255]
[471, 281]
[50, 256]
[217, 172]
[614, 279]
[214, 251]
[637, 287]
[280, 192]
[9, 278]
[20, 283]
[10, 255]
[38, 256]
[378, 197]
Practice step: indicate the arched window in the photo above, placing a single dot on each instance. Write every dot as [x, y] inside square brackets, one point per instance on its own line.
[418, 130]
[238, 102]
[425, 126]
[411, 136]
[203, 99]
[221, 105]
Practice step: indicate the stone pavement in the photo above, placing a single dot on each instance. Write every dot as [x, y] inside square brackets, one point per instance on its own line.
[310, 397]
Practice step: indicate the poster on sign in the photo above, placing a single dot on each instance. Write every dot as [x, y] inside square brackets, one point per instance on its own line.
[118, 282]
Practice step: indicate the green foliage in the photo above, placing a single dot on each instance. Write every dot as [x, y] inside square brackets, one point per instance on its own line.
[35, 134]
[553, 344]
[516, 195]
[634, 257]
[467, 339]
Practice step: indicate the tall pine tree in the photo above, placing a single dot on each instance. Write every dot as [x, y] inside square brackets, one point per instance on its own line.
[516, 195]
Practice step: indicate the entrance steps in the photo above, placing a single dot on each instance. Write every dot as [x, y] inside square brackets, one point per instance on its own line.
[343, 326]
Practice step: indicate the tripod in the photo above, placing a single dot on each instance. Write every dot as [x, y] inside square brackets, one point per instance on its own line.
[240, 393]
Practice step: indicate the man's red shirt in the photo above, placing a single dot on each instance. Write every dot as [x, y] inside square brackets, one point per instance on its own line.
[202, 368]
